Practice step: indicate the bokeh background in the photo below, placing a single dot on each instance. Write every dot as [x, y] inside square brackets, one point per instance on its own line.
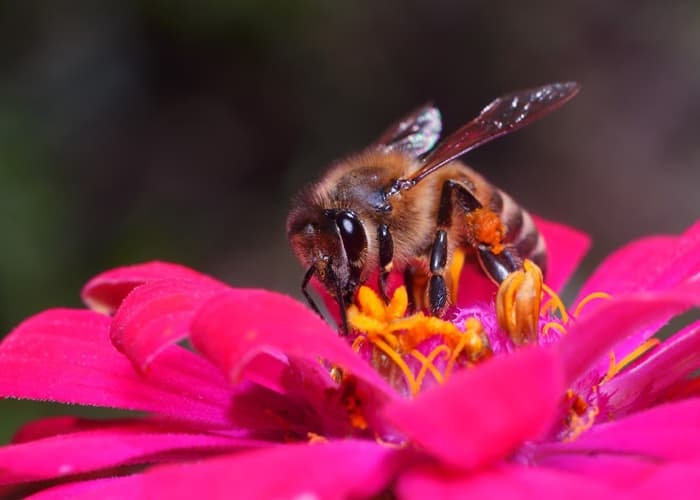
[176, 130]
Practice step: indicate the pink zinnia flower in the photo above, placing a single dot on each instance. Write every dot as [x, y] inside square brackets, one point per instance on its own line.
[273, 403]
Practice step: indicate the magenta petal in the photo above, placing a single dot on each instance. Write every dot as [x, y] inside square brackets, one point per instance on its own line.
[106, 291]
[238, 326]
[565, 249]
[482, 415]
[678, 481]
[646, 382]
[112, 488]
[156, 315]
[591, 337]
[664, 433]
[502, 482]
[110, 446]
[65, 355]
[338, 469]
[653, 263]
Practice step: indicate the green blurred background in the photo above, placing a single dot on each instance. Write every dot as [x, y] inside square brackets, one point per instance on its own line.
[138, 130]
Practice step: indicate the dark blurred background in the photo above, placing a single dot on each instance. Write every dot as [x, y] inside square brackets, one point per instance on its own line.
[178, 130]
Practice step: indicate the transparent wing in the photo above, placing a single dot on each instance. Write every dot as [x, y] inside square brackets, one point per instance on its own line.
[504, 115]
[415, 134]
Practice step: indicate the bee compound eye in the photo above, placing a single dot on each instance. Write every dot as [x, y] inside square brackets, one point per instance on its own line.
[352, 234]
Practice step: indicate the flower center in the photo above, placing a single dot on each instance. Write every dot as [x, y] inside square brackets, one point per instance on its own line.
[410, 350]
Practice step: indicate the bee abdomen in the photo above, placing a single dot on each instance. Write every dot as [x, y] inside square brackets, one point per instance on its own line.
[521, 230]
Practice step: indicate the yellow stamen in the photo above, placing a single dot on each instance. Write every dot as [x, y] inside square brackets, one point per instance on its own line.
[553, 325]
[473, 329]
[394, 335]
[398, 361]
[555, 304]
[428, 363]
[588, 298]
[616, 367]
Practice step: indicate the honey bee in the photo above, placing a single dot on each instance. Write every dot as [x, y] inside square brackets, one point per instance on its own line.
[407, 204]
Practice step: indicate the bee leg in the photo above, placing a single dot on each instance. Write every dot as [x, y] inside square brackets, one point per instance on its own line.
[437, 289]
[519, 292]
[452, 192]
[520, 282]
[386, 256]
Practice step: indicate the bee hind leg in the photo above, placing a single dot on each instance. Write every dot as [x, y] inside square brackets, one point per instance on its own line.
[519, 292]
[520, 282]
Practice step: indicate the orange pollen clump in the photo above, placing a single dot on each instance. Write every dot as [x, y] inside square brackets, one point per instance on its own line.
[580, 417]
[388, 330]
[352, 402]
[487, 228]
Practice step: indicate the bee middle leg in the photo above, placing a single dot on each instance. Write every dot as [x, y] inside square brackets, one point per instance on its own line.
[453, 194]
[520, 282]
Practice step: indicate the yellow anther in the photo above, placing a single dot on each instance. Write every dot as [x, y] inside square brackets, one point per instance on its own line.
[473, 334]
[588, 298]
[371, 304]
[398, 305]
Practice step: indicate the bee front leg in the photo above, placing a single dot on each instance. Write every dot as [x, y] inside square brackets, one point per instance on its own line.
[386, 256]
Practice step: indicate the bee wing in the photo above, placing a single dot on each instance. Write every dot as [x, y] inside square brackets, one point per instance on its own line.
[415, 134]
[504, 115]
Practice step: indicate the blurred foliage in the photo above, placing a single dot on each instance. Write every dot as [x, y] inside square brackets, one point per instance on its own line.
[179, 130]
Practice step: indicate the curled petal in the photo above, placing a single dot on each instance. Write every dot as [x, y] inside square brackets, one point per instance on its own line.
[108, 446]
[339, 469]
[648, 264]
[111, 487]
[661, 434]
[647, 382]
[237, 326]
[65, 355]
[675, 480]
[276, 342]
[593, 336]
[156, 315]
[105, 292]
[482, 415]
